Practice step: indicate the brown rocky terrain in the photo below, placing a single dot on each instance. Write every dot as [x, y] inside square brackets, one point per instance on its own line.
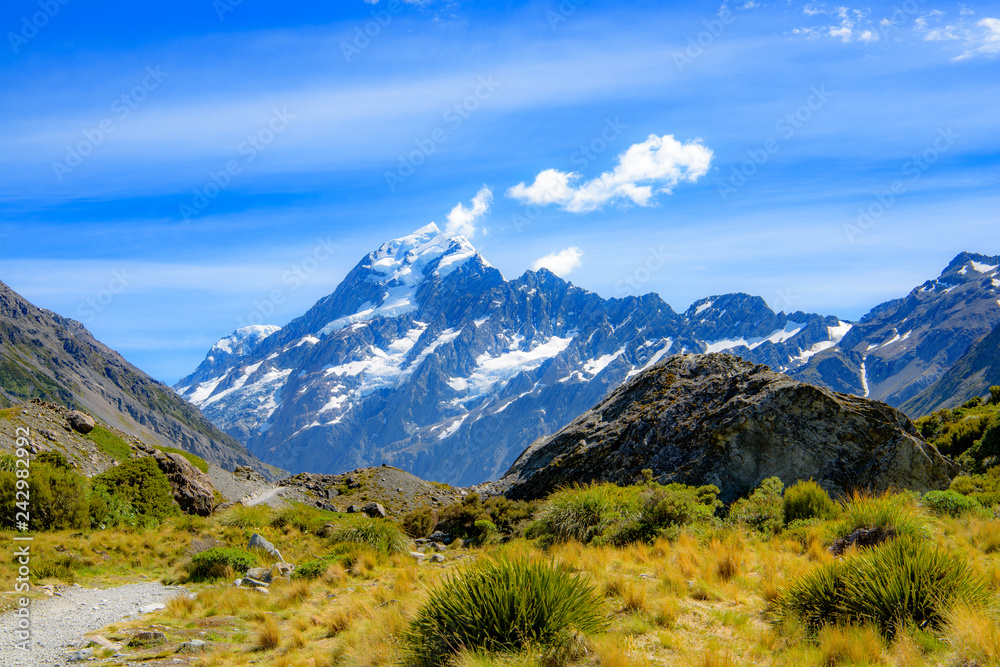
[717, 419]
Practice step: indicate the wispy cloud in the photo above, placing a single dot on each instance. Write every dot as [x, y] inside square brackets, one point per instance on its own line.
[645, 169]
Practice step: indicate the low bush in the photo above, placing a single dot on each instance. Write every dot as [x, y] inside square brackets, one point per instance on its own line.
[110, 443]
[142, 484]
[583, 513]
[806, 500]
[763, 510]
[985, 452]
[897, 583]
[218, 561]
[984, 488]
[502, 606]
[57, 498]
[950, 503]
[380, 535]
[664, 510]
[419, 522]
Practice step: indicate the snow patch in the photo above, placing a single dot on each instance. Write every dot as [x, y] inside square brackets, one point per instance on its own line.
[595, 366]
[777, 336]
[982, 268]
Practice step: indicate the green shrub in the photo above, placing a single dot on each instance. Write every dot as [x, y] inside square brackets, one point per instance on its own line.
[763, 510]
[312, 569]
[807, 500]
[53, 460]
[894, 584]
[216, 562]
[509, 515]
[583, 513]
[502, 606]
[899, 512]
[380, 535]
[8, 462]
[485, 528]
[995, 395]
[950, 503]
[985, 452]
[664, 510]
[419, 522]
[973, 402]
[112, 511]
[57, 499]
[143, 485]
[984, 488]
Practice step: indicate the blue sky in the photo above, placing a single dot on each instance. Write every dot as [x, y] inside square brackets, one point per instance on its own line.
[696, 150]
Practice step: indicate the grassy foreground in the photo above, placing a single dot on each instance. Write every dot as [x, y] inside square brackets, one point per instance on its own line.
[705, 592]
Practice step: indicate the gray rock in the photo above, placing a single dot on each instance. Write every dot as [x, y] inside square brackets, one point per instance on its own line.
[716, 419]
[354, 509]
[192, 488]
[437, 558]
[193, 646]
[250, 582]
[80, 656]
[80, 421]
[150, 608]
[260, 574]
[374, 510]
[259, 542]
[439, 536]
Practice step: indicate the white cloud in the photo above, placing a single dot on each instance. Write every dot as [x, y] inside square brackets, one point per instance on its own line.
[560, 263]
[986, 42]
[462, 220]
[644, 169]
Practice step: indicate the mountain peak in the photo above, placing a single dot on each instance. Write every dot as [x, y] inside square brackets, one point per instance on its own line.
[425, 252]
[966, 262]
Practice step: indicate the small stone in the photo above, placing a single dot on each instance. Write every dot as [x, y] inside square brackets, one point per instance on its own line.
[150, 608]
[374, 510]
[437, 558]
[193, 646]
[262, 589]
[418, 556]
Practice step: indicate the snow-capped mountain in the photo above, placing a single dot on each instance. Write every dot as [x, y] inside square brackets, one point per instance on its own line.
[903, 346]
[425, 357]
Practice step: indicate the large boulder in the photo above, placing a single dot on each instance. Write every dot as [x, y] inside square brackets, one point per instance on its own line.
[192, 488]
[717, 419]
[81, 422]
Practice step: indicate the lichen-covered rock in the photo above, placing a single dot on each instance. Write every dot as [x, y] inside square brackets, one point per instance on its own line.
[716, 419]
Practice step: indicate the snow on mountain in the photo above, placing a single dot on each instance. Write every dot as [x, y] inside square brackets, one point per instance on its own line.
[425, 357]
[903, 346]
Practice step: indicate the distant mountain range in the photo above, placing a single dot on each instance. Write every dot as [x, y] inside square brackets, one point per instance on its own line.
[44, 355]
[426, 358]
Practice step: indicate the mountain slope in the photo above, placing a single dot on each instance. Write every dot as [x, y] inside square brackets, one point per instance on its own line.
[46, 356]
[903, 346]
[426, 358]
[972, 375]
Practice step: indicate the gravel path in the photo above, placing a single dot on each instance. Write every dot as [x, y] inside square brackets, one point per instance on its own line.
[59, 623]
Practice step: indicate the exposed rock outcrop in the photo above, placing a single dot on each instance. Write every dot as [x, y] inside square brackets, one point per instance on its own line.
[716, 419]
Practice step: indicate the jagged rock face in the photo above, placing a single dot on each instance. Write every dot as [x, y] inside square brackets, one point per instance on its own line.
[972, 375]
[426, 358]
[903, 346]
[46, 356]
[717, 419]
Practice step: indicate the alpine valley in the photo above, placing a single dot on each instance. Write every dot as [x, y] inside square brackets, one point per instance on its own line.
[426, 358]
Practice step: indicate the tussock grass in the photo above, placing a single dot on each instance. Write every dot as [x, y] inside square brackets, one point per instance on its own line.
[898, 511]
[502, 606]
